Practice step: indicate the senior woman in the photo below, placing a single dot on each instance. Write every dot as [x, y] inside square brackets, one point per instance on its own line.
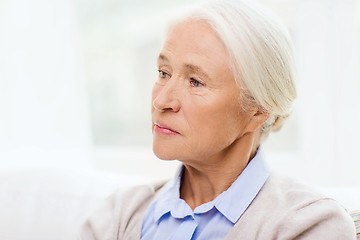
[226, 79]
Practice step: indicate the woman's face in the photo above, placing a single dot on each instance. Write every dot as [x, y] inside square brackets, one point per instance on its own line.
[195, 101]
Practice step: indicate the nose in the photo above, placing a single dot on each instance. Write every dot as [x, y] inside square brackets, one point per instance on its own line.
[166, 97]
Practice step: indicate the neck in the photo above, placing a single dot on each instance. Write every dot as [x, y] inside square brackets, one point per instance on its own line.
[204, 180]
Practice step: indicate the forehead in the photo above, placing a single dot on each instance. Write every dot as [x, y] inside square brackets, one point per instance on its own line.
[195, 40]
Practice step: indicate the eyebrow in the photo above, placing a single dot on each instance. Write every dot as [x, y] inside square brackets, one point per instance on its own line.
[191, 67]
[162, 57]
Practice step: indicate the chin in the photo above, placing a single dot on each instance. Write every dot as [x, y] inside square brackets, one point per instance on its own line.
[164, 154]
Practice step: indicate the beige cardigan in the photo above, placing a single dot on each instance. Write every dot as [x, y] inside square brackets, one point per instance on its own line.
[282, 210]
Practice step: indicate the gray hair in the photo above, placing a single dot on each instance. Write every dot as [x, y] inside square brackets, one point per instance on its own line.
[261, 54]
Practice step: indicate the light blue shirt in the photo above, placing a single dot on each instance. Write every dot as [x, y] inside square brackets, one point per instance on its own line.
[170, 217]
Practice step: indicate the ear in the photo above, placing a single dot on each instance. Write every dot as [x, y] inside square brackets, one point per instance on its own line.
[257, 119]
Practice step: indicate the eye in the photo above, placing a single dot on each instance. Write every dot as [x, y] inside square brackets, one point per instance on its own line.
[195, 83]
[162, 74]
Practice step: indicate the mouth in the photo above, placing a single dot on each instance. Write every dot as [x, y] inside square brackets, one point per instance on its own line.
[163, 129]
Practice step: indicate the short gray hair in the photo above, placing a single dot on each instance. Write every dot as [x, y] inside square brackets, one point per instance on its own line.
[261, 53]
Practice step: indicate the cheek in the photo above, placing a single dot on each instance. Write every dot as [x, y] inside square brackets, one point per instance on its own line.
[215, 121]
[205, 123]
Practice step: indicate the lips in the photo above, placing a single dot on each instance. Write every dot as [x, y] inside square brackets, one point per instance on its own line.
[163, 129]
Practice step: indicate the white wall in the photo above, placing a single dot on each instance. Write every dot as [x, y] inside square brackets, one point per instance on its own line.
[327, 38]
[44, 119]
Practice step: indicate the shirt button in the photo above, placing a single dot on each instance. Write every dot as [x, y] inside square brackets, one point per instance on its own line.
[192, 218]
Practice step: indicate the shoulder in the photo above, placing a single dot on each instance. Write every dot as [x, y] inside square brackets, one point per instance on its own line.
[310, 214]
[288, 192]
[119, 213]
[287, 209]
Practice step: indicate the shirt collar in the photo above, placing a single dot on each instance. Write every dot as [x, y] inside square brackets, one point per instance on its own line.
[232, 203]
[169, 199]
